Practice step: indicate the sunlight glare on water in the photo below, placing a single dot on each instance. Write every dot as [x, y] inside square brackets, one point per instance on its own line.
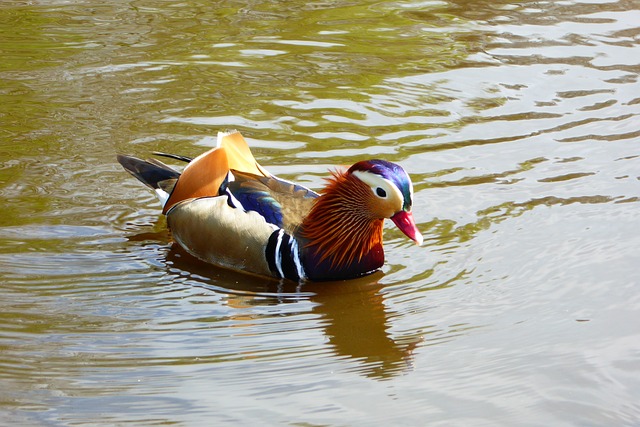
[518, 123]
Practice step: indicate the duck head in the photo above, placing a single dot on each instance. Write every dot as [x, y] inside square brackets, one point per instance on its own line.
[342, 233]
[391, 194]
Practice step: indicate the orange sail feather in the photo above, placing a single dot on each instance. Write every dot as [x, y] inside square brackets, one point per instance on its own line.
[203, 175]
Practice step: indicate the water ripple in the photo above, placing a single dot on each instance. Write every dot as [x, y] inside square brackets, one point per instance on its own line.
[517, 123]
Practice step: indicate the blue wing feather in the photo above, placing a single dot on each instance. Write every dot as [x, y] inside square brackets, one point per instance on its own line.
[260, 201]
[263, 195]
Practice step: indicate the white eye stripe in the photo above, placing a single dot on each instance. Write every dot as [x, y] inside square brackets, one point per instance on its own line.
[376, 181]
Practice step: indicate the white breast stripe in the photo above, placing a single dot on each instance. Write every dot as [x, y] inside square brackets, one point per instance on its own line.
[278, 254]
[295, 254]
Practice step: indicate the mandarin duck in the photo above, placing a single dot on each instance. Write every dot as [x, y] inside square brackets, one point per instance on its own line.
[226, 209]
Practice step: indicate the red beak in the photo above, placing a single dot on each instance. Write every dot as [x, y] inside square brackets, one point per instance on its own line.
[404, 221]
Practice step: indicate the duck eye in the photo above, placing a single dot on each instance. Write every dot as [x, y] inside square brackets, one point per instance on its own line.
[381, 193]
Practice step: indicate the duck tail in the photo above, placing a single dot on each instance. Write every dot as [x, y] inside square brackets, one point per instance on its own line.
[152, 173]
[173, 156]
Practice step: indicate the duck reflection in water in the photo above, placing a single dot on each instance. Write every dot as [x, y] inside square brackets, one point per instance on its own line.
[353, 314]
[357, 325]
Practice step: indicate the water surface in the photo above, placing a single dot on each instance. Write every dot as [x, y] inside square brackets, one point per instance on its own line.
[518, 123]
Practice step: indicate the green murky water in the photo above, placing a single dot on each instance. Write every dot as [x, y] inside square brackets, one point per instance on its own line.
[519, 123]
